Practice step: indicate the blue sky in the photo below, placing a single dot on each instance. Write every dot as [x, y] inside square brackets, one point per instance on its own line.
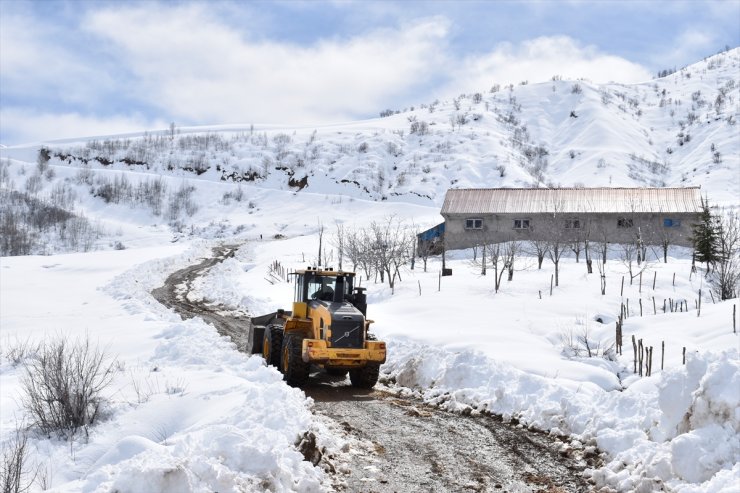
[78, 68]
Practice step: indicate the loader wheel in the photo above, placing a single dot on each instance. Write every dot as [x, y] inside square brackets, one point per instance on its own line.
[295, 370]
[365, 377]
[272, 344]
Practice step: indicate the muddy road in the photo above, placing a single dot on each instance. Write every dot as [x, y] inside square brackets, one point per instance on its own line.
[407, 446]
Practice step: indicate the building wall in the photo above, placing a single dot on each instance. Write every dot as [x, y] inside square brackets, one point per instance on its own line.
[497, 228]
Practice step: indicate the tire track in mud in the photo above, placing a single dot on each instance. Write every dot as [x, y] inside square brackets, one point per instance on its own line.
[399, 444]
[174, 294]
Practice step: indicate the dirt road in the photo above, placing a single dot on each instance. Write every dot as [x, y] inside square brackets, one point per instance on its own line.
[409, 446]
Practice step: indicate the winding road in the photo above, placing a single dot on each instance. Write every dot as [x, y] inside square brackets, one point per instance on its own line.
[413, 447]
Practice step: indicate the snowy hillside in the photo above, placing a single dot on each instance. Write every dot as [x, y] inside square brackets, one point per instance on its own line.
[90, 226]
[679, 130]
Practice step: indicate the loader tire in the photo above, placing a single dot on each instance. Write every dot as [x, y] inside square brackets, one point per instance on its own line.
[366, 377]
[295, 370]
[272, 344]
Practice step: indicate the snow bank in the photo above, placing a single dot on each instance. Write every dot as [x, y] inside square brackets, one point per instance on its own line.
[187, 412]
[680, 431]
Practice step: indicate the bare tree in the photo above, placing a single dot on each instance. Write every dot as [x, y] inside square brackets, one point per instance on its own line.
[359, 253]
[727, 268]
[321, 237]
[559, 239]
[511, 250]
[539, 248]
[586, 238]
[501, 257]
[391, 242]
[576, 247]
[601, 266]
[601, 243]
[339, 242]
[666, 236]
[556, 250]
[425, 249]
[630, 254]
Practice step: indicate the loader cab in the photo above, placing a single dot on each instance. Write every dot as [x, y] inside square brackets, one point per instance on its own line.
[322, 285]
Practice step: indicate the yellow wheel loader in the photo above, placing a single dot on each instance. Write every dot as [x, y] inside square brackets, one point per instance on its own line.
[327, 328]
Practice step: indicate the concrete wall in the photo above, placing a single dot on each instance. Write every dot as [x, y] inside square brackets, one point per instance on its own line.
[498, 228]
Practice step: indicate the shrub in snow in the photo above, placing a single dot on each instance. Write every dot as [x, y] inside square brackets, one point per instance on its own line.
[18, 351]
[14, 474]
[63, 387]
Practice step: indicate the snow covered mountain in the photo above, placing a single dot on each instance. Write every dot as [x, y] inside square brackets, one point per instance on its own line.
[678, 130]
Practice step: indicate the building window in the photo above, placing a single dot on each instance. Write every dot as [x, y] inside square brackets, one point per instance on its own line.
[572, 224]
[474, 223]
[624, 222]
[671, 223]
[521, 223]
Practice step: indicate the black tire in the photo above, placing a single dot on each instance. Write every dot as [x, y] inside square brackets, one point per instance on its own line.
[295, 370]
[272, 344]
[336, 372]
[366, 377]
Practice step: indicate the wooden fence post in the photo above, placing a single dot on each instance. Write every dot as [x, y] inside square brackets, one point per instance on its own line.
[662, 354]
[674, 278]
[641, 307]
[640, 354]
[698, 308]
[655, 310]
[621, 291]
[734, 310]
[634, 350]
[655, 276]
[439, 286]
[684, 355]
[551, 278]
[640, 291]
[419, 288]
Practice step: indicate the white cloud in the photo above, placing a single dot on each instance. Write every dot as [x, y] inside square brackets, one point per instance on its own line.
[22, 126]
[537, 60]
[696, 42]
[197, 68]
[37, 60]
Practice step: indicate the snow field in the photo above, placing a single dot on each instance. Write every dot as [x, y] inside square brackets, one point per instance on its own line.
[187, 411]
[467, 348]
